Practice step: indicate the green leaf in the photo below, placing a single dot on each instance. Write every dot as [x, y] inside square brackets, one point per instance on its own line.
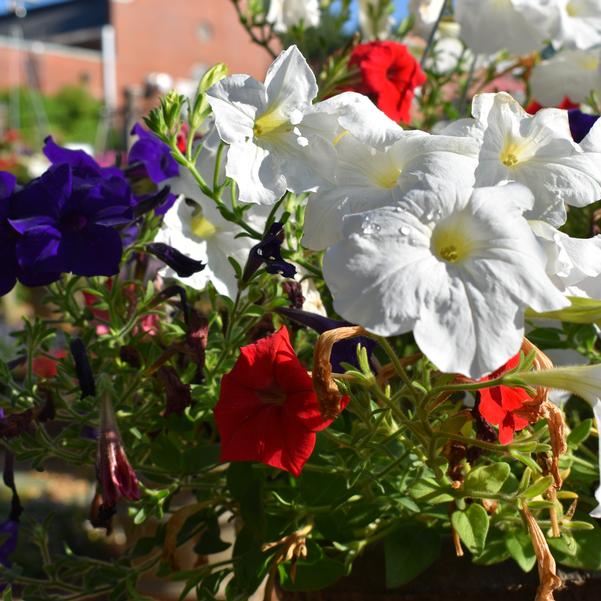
[577, 525]
[538, 488]
[487, 478]
[246, 486]
[472, 527]
[580, 433]
[210, 539]
[143, 546]
[520, 547]
[428, 490]
[587, 552]
[7, 595]
[311, 574]
[494, 552]
[250, 564]
[408, 551]
[540, 504]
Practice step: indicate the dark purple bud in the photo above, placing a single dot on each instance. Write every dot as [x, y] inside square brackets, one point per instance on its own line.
[182, 265]
[344, 351]
[115, 475]
[129, 354]
[8, 476]
[47, 411]
[580, 124]
[82, 368]
[268, 251]
[178, 394]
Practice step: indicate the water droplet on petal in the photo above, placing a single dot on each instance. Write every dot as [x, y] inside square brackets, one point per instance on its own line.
[404, 230]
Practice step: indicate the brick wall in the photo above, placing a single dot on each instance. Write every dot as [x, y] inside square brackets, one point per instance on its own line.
[180, 37]
[55, 66]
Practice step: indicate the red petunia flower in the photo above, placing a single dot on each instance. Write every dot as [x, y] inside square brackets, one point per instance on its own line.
[566, 104]
[267, 409]
[501, 405]
[389, 74]
[47, 367]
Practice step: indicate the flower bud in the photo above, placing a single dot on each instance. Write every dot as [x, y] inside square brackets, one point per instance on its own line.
[201, 109]
[582, 380]
[82, 368]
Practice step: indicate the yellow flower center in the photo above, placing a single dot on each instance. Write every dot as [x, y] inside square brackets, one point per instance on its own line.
[571, 9]
[512, 154]
[449, 241]
[271, 122]
[590, 63]
[388, 178]
[449, 254]
[202, 227]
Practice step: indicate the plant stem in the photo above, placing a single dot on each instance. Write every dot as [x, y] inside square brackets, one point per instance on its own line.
[430, 42]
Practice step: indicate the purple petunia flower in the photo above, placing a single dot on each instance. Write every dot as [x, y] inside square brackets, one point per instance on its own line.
[9, 534]
[154, 154]
[268, 251]
[150, 157]
[67, 224]
[82, 164]
[344, 351]
[580, 124]
[8, 236]
[9, 529]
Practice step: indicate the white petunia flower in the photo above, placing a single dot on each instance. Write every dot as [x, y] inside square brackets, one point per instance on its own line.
[425, 13]
[367, 176]
[285, 14]
[447, 52]
[537, 151]
[449, 265]
[559, 357]
[374, 29]
[583, 380]
[195, 227]
[570, 261]
[596, 513]
[271, 150]
[572, 73]
[488, 26]
[577, 23]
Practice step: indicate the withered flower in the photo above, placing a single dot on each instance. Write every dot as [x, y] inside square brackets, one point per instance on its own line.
[178, 394]
[115, 475]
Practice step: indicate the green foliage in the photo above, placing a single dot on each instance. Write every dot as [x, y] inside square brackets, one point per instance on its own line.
[72, 113]
[472, 526]
[409, 550]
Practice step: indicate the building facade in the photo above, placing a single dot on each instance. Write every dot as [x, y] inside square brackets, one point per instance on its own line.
[117, 48]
